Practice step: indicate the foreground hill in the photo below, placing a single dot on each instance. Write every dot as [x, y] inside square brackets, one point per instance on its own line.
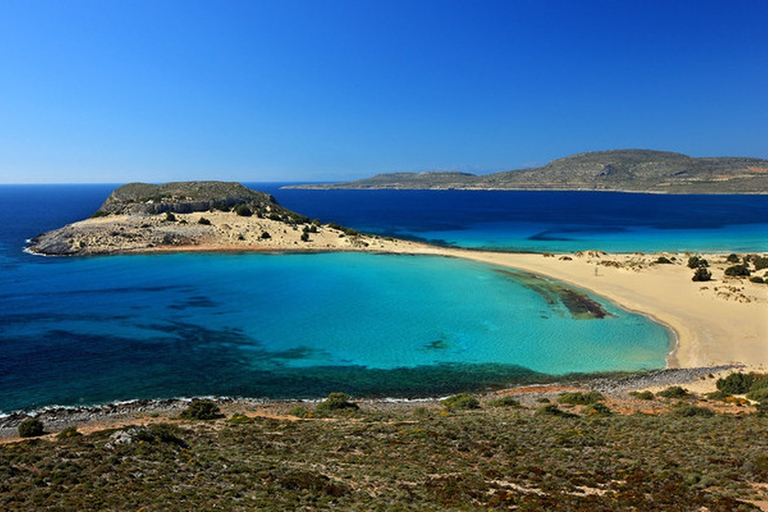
[196, 215]
[630, 170]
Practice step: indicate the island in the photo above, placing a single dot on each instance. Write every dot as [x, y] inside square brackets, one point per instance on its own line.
[621, 170]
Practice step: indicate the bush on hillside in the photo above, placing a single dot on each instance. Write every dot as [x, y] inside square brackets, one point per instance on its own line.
[697, 262]
[335, 402]
[243, 210]
[201, 409]
[31, 427]
[461, 402]
[505, 401]
[735, 383]
[673, 392]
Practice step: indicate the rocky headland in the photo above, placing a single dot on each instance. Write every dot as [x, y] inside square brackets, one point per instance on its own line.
[196, 216]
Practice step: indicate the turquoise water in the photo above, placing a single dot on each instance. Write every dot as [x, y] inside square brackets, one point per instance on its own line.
[98, 329]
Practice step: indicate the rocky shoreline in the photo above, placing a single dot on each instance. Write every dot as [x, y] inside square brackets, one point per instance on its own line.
[58, 418]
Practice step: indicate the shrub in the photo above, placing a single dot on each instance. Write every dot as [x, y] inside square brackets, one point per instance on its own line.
[673, 392]
[31, 427]
[642, 395]
[554, 410]
[733, 258]
[758, 395]
[299, 412]
[243, 210]
[760, 262]
[201, 410]
[597, 409]
[762, 408]
[701, 274]
[68, 432]
[697, 262]
[505, 401]
[687, 411]
[579, 398]
[461, 402]
[736, 383]
[757, 279]
[305, 237]
[170, 217]
[718, 395]
[663, 260]
[335, 402]
[204, 221]
[737, 271]
[265, 235]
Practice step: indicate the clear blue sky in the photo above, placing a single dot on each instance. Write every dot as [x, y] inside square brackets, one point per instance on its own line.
[116, 91]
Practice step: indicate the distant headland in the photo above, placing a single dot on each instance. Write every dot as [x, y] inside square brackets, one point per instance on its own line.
[624, 170]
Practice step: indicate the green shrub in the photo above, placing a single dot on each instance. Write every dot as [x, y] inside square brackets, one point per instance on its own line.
[299, 412]
[204, 221]
[687, 411]
[461, 402]
[733, 258]
[673, 392]
[757, 279]
[758, 395]
[31, 427]
[697, 262]
[701, 274]
[737, 271]
[718, 395]
[579, 398]
[597, 409]
[554, 410]
[305, 237]
[543, 400]
[265, 235]
[201, 410]
[663, 260]
[240, 419]
[335, 402]
[170, 217]
[642, 395]
[505, 401]
[760, 262]
[68, 432]
[736, 383]
[762, 408]
[243, 210]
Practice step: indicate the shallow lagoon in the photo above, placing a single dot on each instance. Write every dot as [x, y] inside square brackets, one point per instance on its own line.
[98, 329]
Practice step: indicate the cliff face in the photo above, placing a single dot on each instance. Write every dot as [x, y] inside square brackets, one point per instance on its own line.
[631, 170]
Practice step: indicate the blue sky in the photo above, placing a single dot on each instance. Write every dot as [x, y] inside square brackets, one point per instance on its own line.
[117, 91]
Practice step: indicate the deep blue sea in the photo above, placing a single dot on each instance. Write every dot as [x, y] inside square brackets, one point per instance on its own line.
[92, 330]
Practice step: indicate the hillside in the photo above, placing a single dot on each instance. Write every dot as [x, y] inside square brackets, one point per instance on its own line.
[630, 170]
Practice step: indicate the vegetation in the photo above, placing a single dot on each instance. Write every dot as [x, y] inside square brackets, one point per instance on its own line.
[701, 274]
[68, 432]
[760, 262]
[31, 427]
[736, 383]
[733, 258]
[336, 402]
[243, 211]
[673, 392]
[461, 402]
[642, 395]
[738, 271]
[204, 221]
[663, 260]
[497, 458]
[580, 398]
[170, 217]
[697, 262]
[201, 409]
[505, 401]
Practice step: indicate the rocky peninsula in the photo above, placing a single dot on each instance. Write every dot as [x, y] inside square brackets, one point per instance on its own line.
[198, 216]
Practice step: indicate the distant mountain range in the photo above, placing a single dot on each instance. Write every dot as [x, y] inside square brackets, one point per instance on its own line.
[628, 170]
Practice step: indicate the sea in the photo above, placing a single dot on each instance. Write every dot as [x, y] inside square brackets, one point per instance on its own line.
[91, 330]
